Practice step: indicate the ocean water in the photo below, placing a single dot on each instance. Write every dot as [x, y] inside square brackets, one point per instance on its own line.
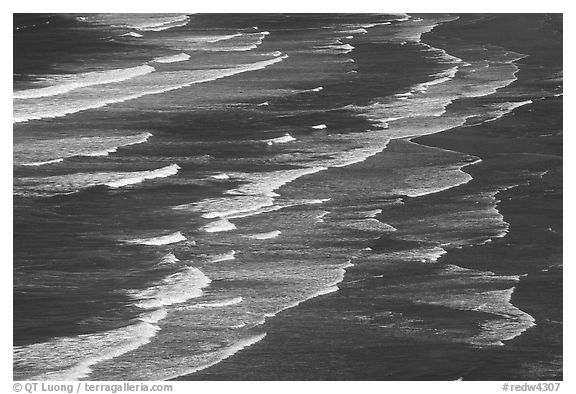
[179, 180]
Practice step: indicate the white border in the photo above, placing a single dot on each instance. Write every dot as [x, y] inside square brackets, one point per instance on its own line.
[303, 6]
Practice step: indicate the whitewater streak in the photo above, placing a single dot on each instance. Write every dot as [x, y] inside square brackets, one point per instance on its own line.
[75, 147]
[68, 83]
[27, 111]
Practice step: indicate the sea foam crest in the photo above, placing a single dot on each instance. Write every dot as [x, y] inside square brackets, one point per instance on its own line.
[67, 83]
[148, 85]
[118, 142]
[318, 89]
[355, 30]
[170, 259]
[164, 23]
[223, 38]
[234, 43]
[371, 25]
[174, 289]
[158, 241]
[56, 150]
[181, 57]
[217, 304]
[132, 34]
[280, 140]
[268, 235]
[250, 198]
[141, 176]
[338, 48]
[137, 21]
[221, 176]
[73, 183]
[42, 163]
[217, 258]
[219, 226]
[505, 108]
[511, 323]
[328, 288]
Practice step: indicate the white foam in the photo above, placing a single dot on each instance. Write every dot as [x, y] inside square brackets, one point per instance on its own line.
[338, 48]
[319, 127]
[167, 23]
[250, 198]
[315, 201]
[158, 241]
[257, 211]
[217, 304]
[327, 289]
[433, 254]
[371, 25]
[230, 43]
[268, 235]
[169, 259]
[441, 77]
[320, 217]
[264, 104]
[42, 163]
[234, 48]
[132, 34]
[139, 177]
[56, 150]
[511, 324]
[89, 148]
[147, 85]
[174, 289]
[73, 183]
[453, 176]
[217, 258]
[359, 30]
[370, 214]
[265, 183]
[223, 38]
[138, 21]
[219, 226]
[181, 57]
[67, 83]
[505, 108]
[318, 89]
[221, 176]
[280, 140]
[368, 224]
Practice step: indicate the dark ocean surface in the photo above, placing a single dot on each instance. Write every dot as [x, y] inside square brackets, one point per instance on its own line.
[288, 197]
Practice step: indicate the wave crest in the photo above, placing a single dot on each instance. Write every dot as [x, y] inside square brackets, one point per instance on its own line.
[161, 240]
[67, 83]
